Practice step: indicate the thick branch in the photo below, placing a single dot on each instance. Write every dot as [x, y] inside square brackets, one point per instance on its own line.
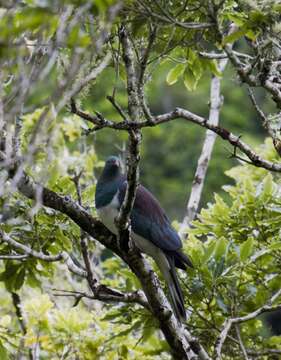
[132, 179]
[134, 137]
[129, 61]
[17, 306]
[206, 153]
[260, 353]
[141, 77]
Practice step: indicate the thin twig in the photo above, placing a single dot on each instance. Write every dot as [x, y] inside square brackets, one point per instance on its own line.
[172, 21]
[105, 294]
[244, 351]
[261, 114]
[112, 100]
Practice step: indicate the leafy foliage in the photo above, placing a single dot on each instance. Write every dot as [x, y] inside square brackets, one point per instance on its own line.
[235, 246]
[235, 243]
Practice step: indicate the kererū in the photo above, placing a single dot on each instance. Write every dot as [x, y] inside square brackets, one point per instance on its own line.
[151, 229]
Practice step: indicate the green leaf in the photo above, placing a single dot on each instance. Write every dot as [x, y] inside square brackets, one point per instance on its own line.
[123, 352]
[62, 240]
[10, 275]
[175, 73]
[275, 246]
[219, 267]
[277, 7]
[246, 249]
[258, 17]
[191, 57]
[147, 332]
[235, 35]
[190, 80]
[222, 305]
[209, 249]
[213, 67]
[3, 352]
[267, 189]
[237, 18]
[251, 35]
[197, 68]
[220, 248]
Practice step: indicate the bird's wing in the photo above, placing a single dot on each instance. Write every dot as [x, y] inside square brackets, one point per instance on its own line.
[149, 220]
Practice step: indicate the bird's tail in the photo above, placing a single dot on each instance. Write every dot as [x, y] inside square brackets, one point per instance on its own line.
[175, 292]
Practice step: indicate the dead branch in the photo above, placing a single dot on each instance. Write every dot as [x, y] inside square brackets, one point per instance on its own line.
[206, 153]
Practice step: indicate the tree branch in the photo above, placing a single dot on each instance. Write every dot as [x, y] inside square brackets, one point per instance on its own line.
[93, 74]
[179, 113]
[100, 292]
[170, 20]
[13, 257]
[112, 100]
[133, 158]
[259, 111]
[17, 305]
[141, 77]
[206, 153]
[245, 73]
[216, 56]
[229, 322]
[108, 295]
[241, 344]
[41, 256]
[261, 353]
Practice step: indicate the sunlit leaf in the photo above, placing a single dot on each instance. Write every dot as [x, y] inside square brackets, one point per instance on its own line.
[175, 73]
[246, 249]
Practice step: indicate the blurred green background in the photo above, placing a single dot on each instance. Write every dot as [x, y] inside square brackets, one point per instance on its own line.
[170, 151]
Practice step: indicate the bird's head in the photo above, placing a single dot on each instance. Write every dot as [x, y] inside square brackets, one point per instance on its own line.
[112, 167]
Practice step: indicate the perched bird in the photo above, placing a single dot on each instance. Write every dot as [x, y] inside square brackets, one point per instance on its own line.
[151, 229]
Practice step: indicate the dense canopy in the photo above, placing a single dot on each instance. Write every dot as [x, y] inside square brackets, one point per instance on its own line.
[154, 82]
